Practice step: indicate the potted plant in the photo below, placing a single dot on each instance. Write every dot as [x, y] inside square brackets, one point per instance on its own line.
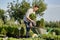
[32, 16]
[3, 32]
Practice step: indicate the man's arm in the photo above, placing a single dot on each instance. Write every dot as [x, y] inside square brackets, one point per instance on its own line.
[28, 13]
[34, 23]
[29, 19]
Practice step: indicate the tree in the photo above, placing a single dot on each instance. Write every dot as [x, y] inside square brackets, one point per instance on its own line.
[2, 15]
[18, 10]
[42, 6]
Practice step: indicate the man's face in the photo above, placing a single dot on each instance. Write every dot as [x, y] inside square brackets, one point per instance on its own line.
[36, 8]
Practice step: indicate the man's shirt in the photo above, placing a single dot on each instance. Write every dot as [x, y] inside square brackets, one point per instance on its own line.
[30, 11]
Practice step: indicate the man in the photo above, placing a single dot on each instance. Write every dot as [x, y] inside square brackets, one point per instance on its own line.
[29, 22]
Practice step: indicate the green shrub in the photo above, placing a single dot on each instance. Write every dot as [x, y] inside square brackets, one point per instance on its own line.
[10, 29]
[57, 31]
[3, 31]
[0, 29]
[16, 32]
[12, 39]
[1, 22]
[49, 36]
[37, 23]
[22, 31]
[1, 38]
[32, 16]
[31, 33]
[25, 39]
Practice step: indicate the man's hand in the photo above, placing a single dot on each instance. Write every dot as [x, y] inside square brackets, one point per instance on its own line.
[31, 25]
[34, 23]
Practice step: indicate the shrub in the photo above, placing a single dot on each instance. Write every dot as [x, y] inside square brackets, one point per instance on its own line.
[37, 23]
[22, 31]
[32, 16]
[16, 32]
[3, 31]
[0, 29]
[11, 30]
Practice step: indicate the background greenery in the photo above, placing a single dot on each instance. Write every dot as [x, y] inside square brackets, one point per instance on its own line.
[16, 12]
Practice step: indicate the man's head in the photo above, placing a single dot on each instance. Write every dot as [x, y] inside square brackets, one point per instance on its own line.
[36, 7]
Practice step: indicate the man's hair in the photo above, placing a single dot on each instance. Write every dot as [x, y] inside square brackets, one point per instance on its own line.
[36, 6]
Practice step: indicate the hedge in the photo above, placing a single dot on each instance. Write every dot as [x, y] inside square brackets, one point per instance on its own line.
[13, 30]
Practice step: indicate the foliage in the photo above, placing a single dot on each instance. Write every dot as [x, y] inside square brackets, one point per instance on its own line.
[18, 10]
[32, 16]
[3, 31]
[25, 39]
[15, 31]
[22, 31]
[40, 23]
[53, 24]
[51, 38]
[1, 22]
[2, 12]
[11, 30]
[42, 6]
